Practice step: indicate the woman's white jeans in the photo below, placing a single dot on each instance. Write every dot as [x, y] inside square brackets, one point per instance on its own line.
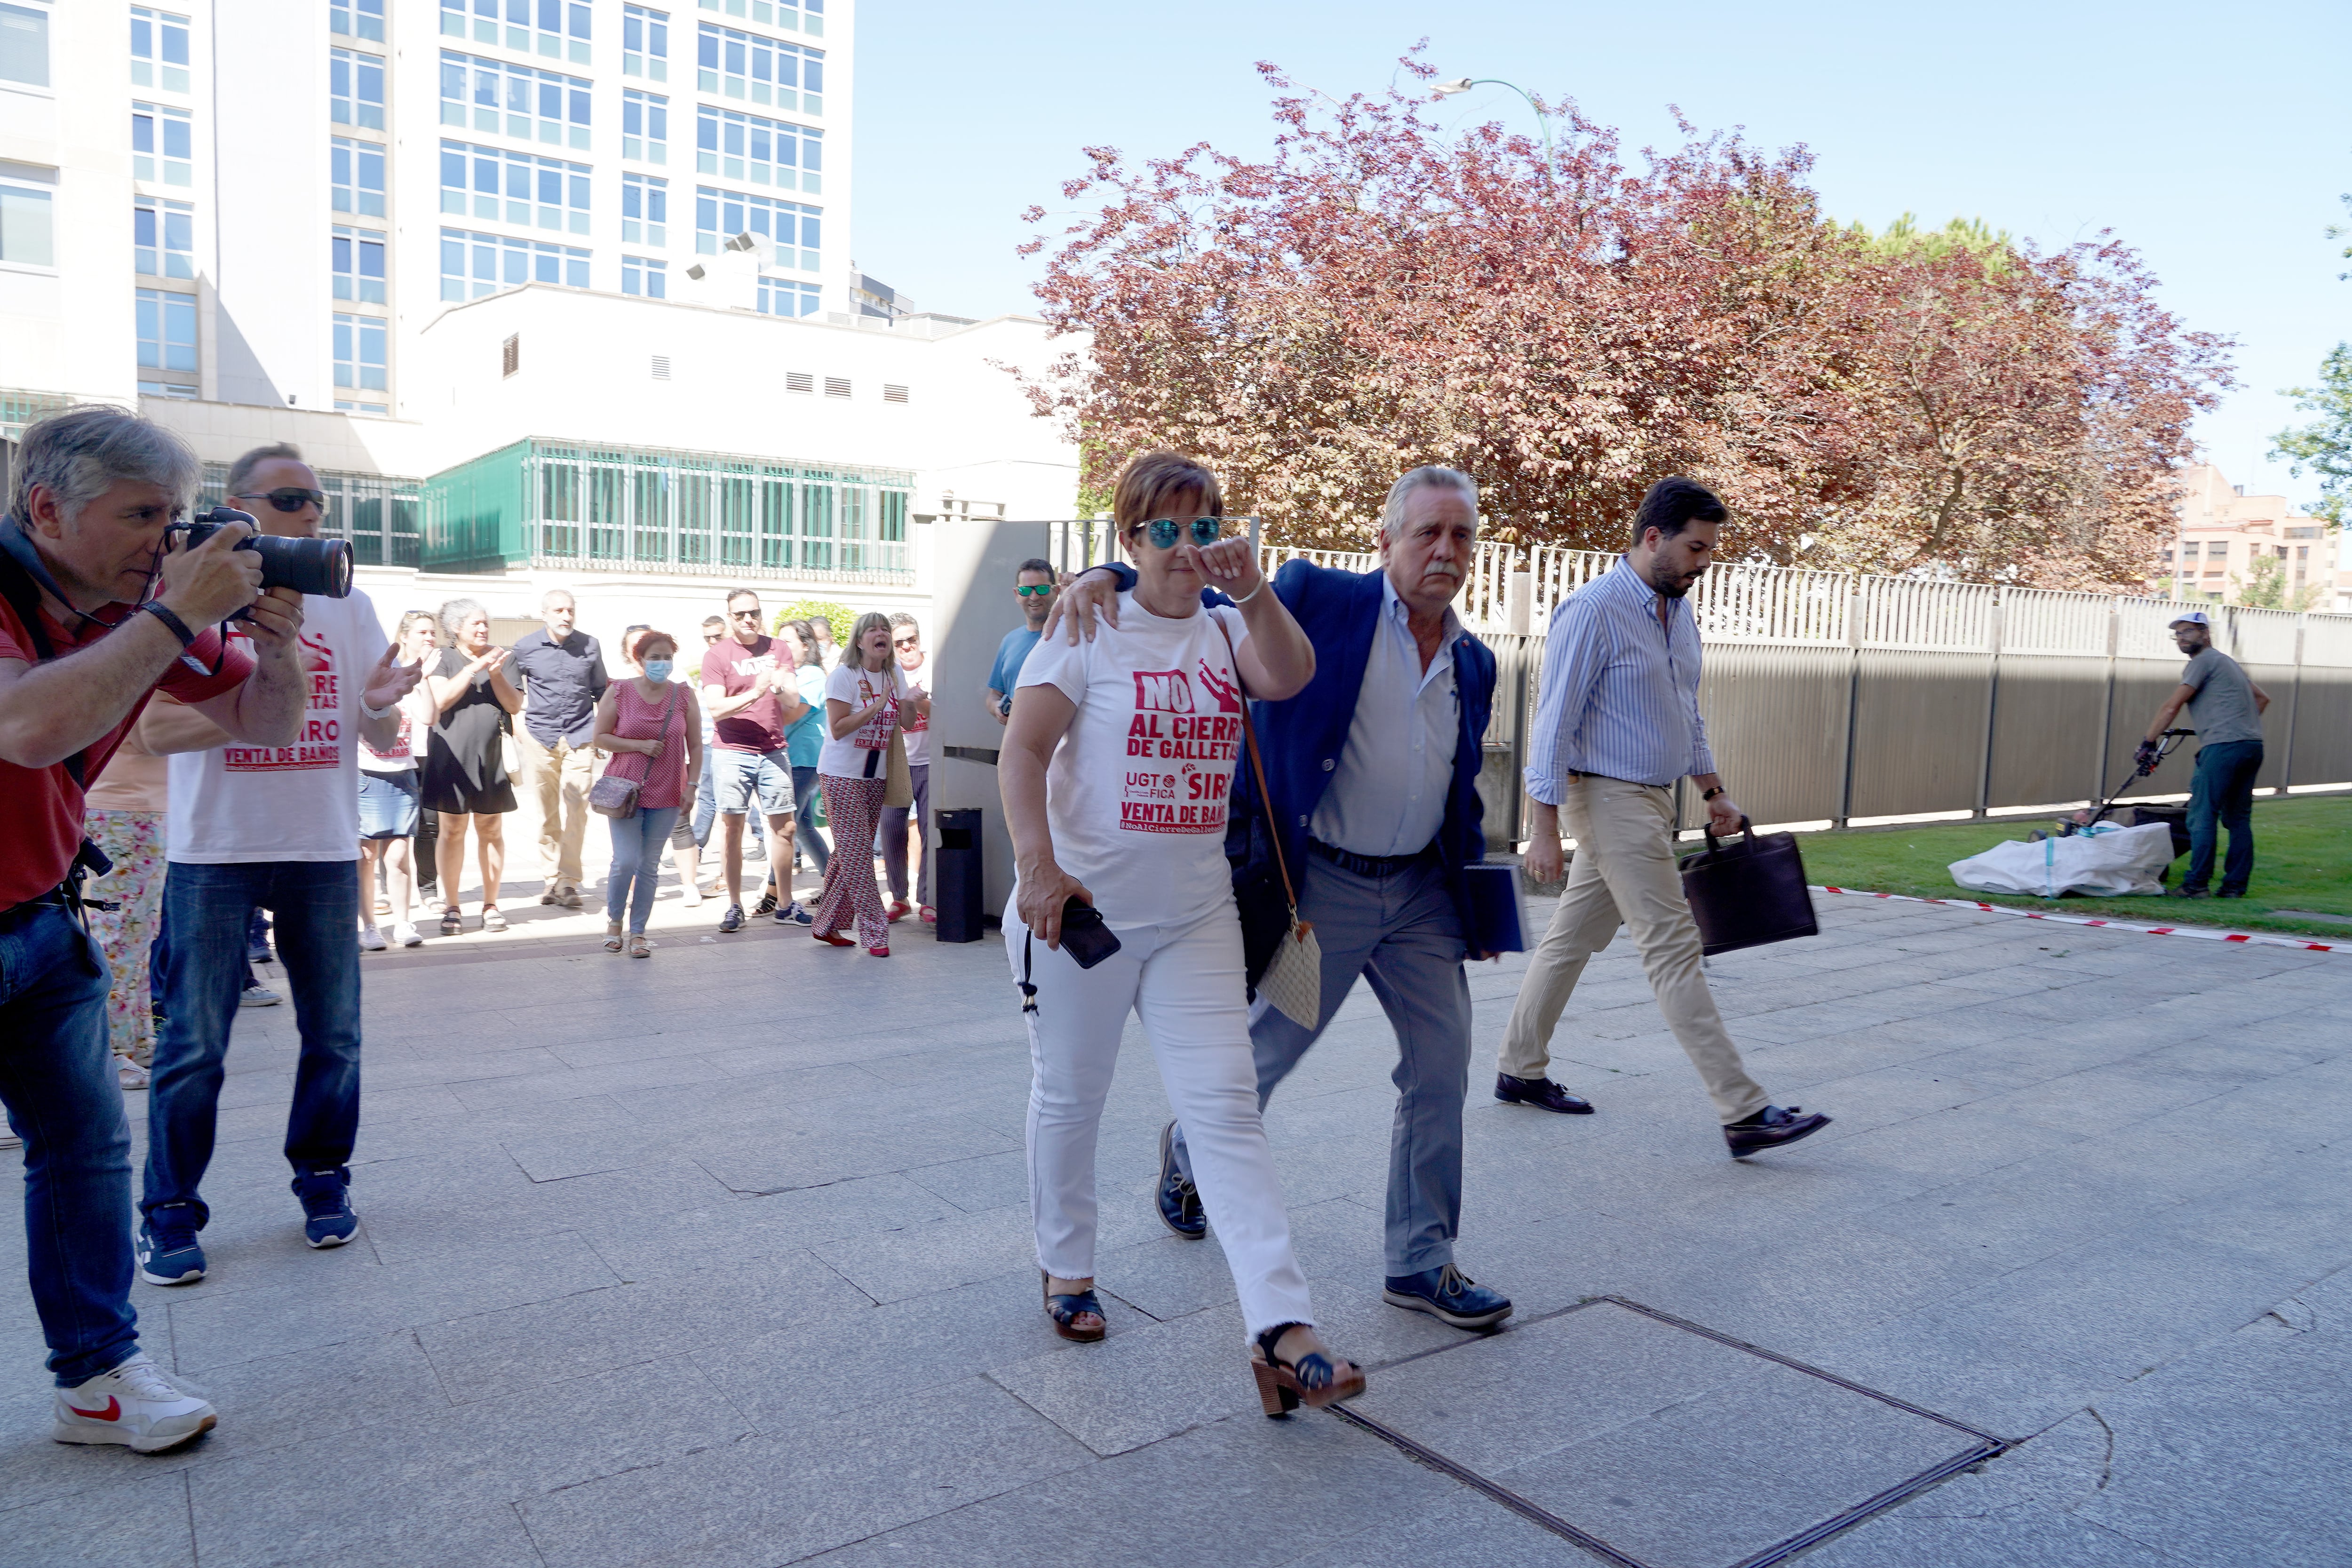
[1184, 982]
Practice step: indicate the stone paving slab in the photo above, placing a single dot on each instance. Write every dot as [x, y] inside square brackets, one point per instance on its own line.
[720, 1258]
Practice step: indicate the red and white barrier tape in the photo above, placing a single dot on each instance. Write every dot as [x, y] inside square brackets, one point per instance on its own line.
[2256, 938]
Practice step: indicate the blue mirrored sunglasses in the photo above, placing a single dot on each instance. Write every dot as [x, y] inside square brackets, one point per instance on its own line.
[1162, 531]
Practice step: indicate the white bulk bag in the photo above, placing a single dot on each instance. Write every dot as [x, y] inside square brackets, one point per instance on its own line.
[2108, 863]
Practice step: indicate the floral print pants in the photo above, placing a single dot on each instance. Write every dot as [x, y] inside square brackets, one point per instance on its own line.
[133, 840]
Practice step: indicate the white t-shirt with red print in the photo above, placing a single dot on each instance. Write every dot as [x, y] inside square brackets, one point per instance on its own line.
[917, 730]
[416, 716]
[237, 804]
[1139, 787]
[846, 758]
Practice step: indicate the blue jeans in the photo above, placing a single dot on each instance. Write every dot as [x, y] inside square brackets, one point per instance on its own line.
[2223, 788]
[316, 903]
[806, 799]
[1402, 934]
[57, 1079]
[636, 863]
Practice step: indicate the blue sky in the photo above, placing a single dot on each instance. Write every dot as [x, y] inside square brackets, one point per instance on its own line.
[2214, 139]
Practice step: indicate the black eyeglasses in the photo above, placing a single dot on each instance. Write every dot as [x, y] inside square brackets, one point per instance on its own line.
[1027, 589]
[1162, 531]
[905, 642]
[288, 499]
[745, 614]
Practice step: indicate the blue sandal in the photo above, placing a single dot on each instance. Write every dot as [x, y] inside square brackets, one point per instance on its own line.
[1312, 1380]
[1068, 1311]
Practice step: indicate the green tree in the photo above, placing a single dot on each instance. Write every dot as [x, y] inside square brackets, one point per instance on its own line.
[841, 617]
[2324, 446]
[2265, 588]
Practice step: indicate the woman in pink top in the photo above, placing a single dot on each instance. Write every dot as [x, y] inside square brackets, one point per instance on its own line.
[653, 722]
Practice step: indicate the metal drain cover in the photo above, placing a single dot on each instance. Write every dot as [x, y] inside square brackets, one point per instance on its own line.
[1653, 1443]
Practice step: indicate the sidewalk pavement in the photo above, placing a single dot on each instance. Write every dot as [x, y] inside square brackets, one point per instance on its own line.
[722, 1258]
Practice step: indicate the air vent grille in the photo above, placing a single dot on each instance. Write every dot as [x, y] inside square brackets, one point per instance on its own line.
[661, 367]
[799, 380]
[510, 355]
[893, 393]
[836, 387]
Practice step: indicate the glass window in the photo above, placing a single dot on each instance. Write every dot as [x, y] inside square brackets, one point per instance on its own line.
[787, 297]
[163, 237]
[805, 15]
[762, 70]
[25, 235]
[473, 265]
[644, 43]
[739, 146]
[355, 88]
[159, 49]
[513, 187]
[553, 29]
[167, 329]
[180, 390]
[643, 275]
[644, 210]
[163, 144]
[792, 231]
[356, 18]
[360, 354]
[645, 126]
[359, 265]
[356, 174]
[514, 100]
[24, 45]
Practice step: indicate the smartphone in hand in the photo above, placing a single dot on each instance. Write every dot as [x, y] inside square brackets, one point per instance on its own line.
[1084, 935]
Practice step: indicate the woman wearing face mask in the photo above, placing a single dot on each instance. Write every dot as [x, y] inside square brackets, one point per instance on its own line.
[1118, 762]
[654, 718]
[465, 763]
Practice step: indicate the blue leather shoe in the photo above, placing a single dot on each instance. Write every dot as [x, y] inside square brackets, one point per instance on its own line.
[1179, 1202]
[1448, 1295]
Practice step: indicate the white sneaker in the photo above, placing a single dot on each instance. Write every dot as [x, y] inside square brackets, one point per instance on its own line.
[406, 934]
[128, 1073]
[137, 1405]
[258, 997]
[370, 940]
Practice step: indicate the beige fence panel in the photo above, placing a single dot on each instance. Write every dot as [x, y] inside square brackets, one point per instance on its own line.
[1905, 613]
[1776, 719]
[1772, 604]
[2049, 712]
[2039, 621]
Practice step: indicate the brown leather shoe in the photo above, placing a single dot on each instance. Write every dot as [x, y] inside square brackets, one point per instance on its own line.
[1771, 1128]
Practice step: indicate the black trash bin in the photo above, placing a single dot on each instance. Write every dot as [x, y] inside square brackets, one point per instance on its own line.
[958, 883]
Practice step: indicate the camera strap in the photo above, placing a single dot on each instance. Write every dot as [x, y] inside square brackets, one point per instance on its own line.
[22, 579]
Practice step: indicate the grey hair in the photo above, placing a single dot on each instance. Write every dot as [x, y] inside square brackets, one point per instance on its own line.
[547, 600]
[1427, 476]
[241, 471]
[82, 452]
[456, 612]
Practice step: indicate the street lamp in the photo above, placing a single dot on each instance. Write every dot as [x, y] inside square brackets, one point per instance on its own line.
[1463, 84]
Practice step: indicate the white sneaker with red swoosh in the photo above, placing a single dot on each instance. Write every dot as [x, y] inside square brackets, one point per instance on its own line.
[137, 1405]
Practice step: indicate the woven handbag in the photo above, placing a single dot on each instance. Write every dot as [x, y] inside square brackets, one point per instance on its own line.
[1293, 980]
[614, 796]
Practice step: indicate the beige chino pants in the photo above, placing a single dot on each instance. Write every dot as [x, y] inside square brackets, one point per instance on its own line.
[1624, 873]
[556, 779]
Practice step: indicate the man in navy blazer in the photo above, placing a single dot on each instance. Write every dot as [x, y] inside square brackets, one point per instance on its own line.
[1373, 775]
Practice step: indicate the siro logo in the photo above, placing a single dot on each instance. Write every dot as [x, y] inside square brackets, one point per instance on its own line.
[1227, 693]
[1162, 691]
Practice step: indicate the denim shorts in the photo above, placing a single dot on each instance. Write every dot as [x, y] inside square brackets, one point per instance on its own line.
[388, 804]
[737, 776]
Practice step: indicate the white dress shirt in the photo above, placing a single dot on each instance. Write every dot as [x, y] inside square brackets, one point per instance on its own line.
[1388, 793]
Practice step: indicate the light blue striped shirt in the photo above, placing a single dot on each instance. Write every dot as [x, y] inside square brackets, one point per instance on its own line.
[1620, 693]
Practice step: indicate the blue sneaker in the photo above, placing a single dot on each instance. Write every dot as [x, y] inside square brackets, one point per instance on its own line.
[167, 1250]
[327, 1216]
[1448, 1295]
[792, 914]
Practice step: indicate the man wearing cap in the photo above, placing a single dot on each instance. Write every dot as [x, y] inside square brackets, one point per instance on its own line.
[2225, 708]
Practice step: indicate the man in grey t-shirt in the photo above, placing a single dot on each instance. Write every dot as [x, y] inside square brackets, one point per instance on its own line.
[2225, 707]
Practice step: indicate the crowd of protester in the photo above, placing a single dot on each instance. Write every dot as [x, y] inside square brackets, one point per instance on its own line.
[163, 784]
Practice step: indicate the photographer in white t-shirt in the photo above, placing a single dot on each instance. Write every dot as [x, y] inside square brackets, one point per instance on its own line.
[276, 828]
[1116, 769]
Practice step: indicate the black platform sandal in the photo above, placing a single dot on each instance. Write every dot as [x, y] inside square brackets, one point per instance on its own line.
[1068, 1309]
[1312, 1380]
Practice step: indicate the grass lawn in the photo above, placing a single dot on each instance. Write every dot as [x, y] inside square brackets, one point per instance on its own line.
[2302, 860]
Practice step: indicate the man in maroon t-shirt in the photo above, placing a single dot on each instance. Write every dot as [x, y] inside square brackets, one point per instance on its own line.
[83, 645]
[748, 689]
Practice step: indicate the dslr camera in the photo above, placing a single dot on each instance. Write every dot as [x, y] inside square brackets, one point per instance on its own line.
[322, 566]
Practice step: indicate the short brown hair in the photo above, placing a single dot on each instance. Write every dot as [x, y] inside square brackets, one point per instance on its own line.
[643, 637]
[240, 473]
[1152, 479]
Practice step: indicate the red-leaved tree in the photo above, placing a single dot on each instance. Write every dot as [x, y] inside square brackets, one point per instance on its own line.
[1377, 294]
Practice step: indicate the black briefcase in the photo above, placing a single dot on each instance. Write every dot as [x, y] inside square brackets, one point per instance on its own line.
[1748, 891]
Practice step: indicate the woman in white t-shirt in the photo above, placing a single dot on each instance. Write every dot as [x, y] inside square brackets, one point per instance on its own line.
[866, 699]
[1117, 767]
[389, 797]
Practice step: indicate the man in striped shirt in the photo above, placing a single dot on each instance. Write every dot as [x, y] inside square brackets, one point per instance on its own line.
[1617, 722]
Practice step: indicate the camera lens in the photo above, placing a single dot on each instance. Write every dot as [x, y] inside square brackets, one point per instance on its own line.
[320, 566]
